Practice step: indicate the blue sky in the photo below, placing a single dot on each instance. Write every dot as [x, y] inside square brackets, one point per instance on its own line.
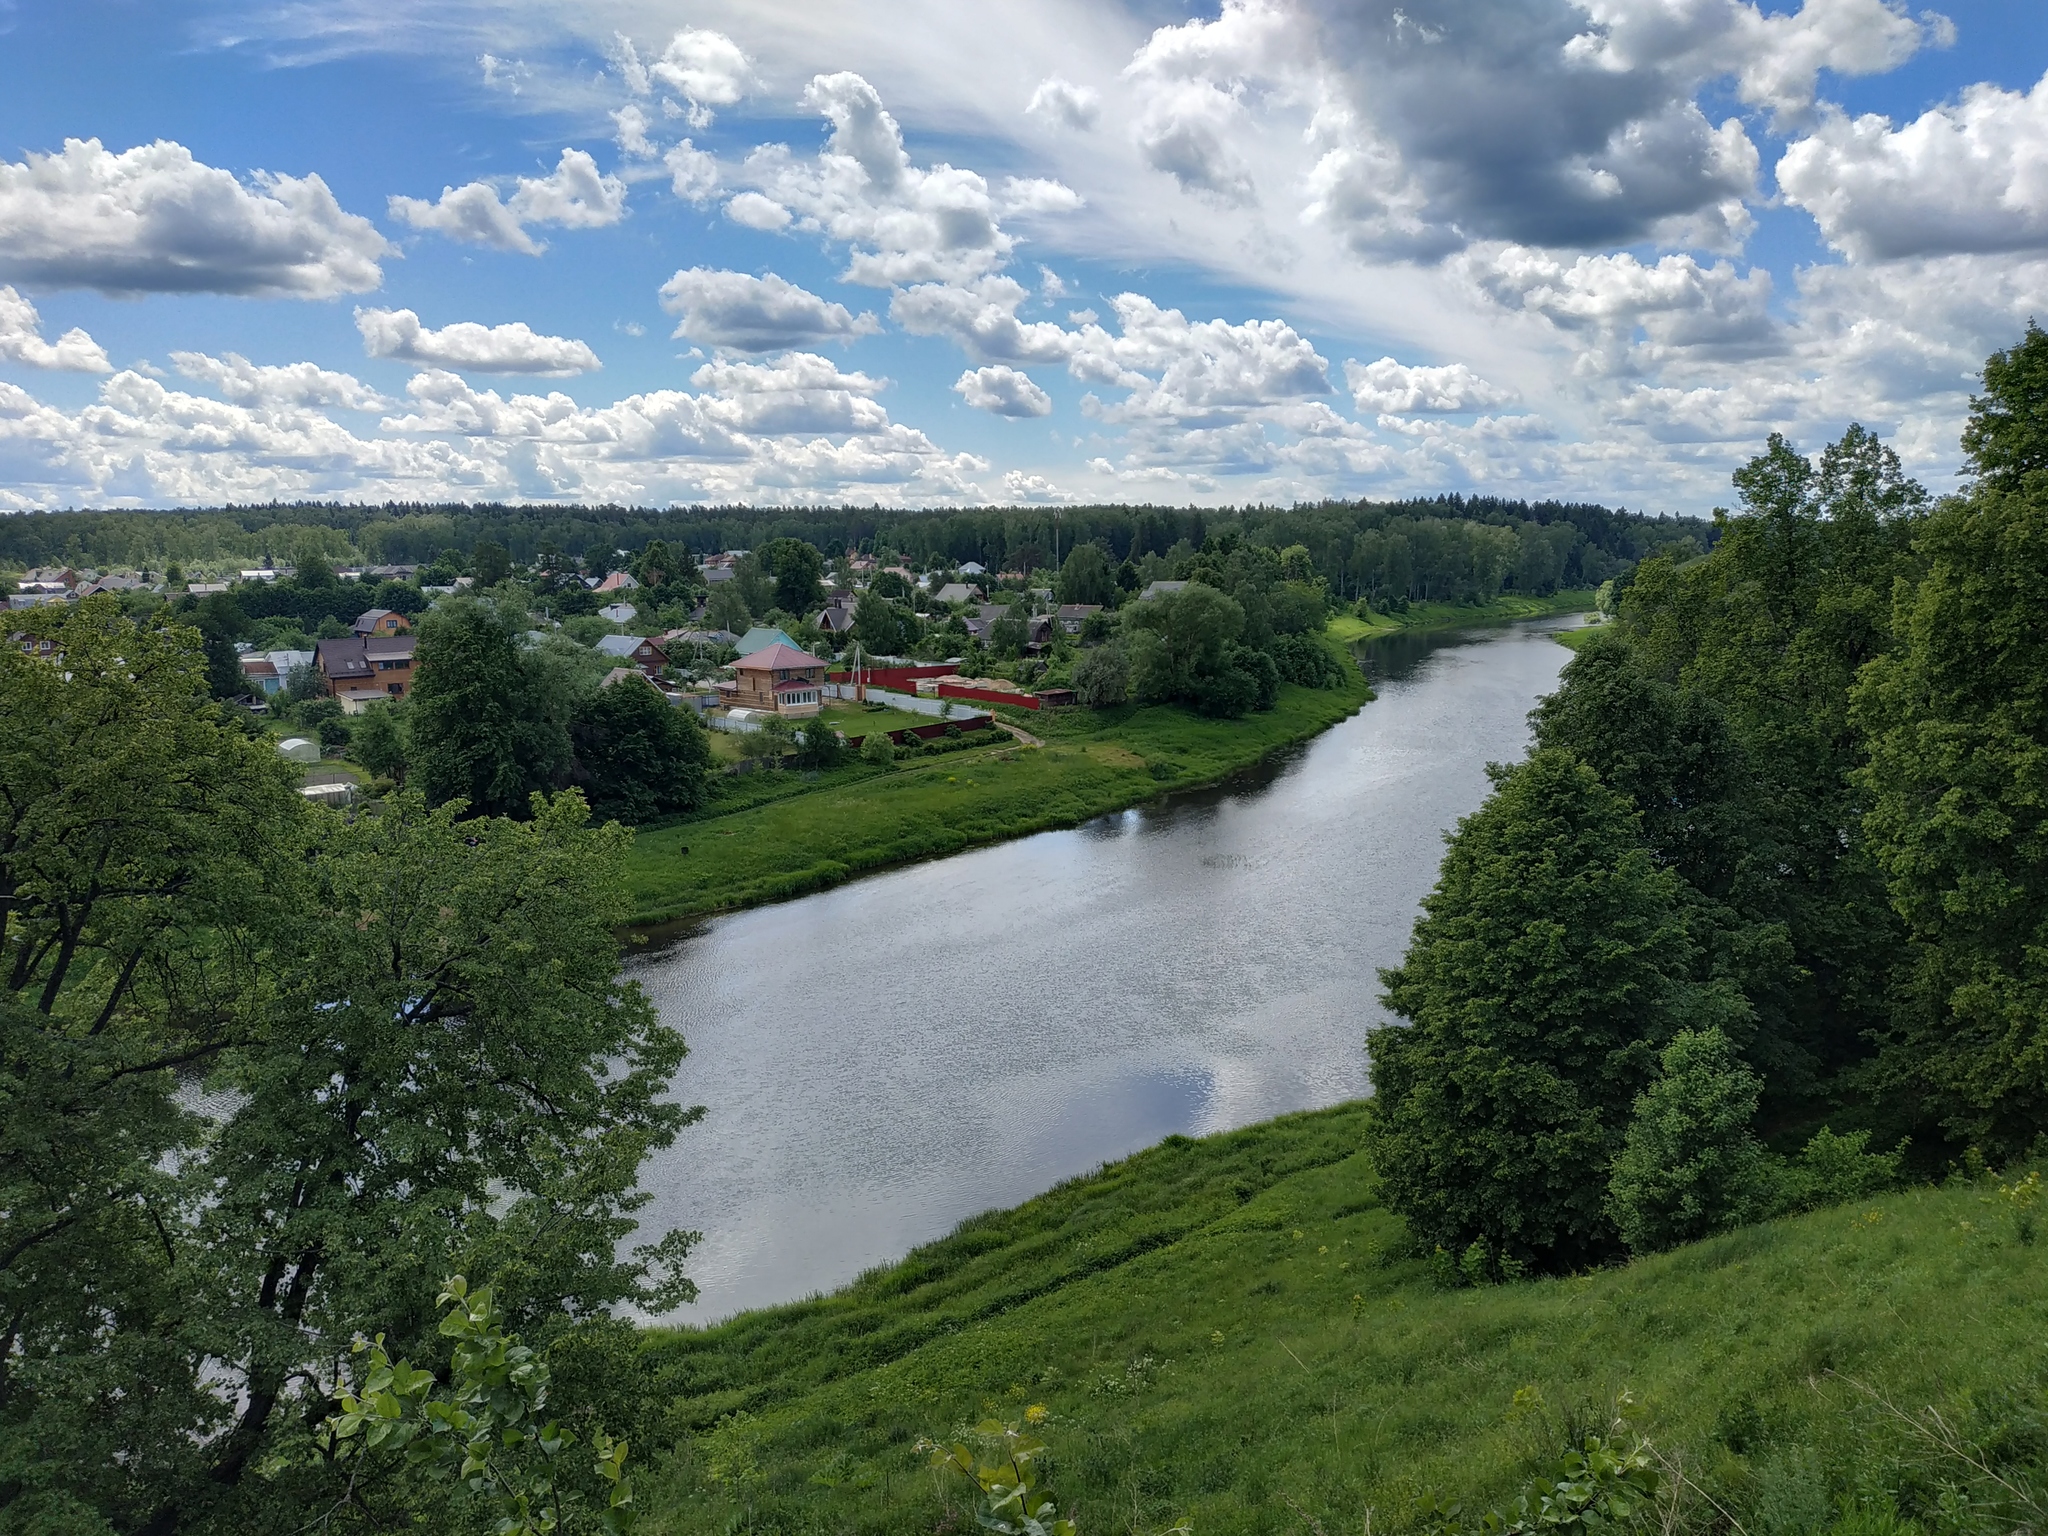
[925, 253]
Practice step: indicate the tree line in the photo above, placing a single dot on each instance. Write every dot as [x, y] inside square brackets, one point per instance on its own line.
[1446, 548]
[1770, 894]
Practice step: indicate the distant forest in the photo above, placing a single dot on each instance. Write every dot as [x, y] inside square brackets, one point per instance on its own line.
[1447, 548]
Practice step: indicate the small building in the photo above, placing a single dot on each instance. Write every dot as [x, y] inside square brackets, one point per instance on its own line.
[382, 621]
[955, 592]
[1058, 698]
[637, 650]
[299, 749]
[1073, 616]
[779, 678]
[633, 673]
[619, 613]
[618, 581]
[974, 568]
[836, 617]
[262, 674]
[1161, 589]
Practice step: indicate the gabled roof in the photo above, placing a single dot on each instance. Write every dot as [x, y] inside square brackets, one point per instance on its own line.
[778, 658]
[623, 645]
[618, 581]
[368, 621]
[760, 637]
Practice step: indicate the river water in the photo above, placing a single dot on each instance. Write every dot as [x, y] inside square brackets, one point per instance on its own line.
[887, 1058]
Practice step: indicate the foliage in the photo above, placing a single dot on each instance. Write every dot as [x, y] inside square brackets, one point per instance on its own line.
[379, 741]
[1306, 662]
[1102, 677]
[489, 563]
[1183, 649]
[490, 723]
[820, 749]
[795, 568]
[727, 609]
[877, 749]
[1832, 1170]
[1689, 1166]
[1003, 1466]
[883, 628]
[1957, 722]
[636, 756]
[408, 1051]
[1545, 974]
[1087, 577]
[482, 1432]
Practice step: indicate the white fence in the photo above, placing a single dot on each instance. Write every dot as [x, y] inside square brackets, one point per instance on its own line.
[918, 704]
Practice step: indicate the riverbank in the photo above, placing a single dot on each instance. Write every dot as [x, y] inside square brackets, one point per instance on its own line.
[1229, 1331]
[1350, 627]
[815, 833]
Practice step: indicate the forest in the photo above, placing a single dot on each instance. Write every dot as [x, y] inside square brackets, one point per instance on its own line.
[1450, 548]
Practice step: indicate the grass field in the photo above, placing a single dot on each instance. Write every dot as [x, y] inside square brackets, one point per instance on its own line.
[1227, 1331]
[858, 719]
[1350, 627]
[797, 835]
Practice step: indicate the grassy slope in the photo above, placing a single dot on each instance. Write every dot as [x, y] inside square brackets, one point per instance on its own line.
[817, 834]
[1291, 1359]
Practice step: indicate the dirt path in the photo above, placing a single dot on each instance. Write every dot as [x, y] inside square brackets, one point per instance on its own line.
[1024, 737]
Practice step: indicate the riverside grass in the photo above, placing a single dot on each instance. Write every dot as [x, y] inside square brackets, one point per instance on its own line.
[815, 834]
[1227, 1331]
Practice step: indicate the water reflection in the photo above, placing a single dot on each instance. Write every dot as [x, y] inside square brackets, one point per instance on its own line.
[887, 1058]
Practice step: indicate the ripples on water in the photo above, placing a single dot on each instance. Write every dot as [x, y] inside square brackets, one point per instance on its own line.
[885, 1059]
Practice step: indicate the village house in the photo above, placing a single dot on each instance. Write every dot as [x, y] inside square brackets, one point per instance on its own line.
[778, 678]
[836, 617]
[955, 592]
[643, 652]
[366, 668]
[382, 621]
[1072, 616]
[618, 581]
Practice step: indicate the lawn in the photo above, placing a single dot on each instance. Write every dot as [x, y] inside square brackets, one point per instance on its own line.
[1229, 1331]
[814, 833]
[856, 720]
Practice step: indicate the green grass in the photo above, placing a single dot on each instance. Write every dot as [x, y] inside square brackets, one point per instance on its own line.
[860, 720]
[1223, 1327]
[804, 835]
[1578, 639]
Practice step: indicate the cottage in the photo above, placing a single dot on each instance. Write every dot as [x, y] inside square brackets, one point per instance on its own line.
[619, 613]
[645, 653]
[974, 568]
[955, 592]
[366, 669]
[837, 617]
[1073, 616]
[382, 621]
[618, 581]
[780, 678]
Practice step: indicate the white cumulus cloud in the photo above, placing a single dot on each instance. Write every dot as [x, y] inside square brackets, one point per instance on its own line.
[754, 211]
[21, 340]
[153, 219]
[1387, 385]
[1063, 102]
[708, 69]
[1002, 392]
[575, 195]
[466, 345]
[756, 314]
[1971, 177]
[272, 387]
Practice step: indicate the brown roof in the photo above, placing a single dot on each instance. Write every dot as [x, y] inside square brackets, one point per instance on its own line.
[778, 658]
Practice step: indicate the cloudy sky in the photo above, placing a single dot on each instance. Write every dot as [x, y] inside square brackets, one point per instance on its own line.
[926, 251]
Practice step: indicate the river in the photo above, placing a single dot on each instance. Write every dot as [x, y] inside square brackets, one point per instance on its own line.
[887, 1058]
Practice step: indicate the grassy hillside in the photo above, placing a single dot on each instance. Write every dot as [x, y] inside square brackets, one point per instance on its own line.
[818, 834]
[1226, 1331]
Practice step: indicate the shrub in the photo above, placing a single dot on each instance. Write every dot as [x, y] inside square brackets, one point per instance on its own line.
[1689, 1166]
[1832, 1170]
[877, 749]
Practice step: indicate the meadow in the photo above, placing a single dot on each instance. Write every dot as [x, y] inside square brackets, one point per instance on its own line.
[1231, 1333]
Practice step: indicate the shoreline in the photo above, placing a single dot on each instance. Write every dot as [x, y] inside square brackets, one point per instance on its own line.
[1097, 766]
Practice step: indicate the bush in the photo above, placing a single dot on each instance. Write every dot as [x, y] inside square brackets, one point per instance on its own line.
[877, 749]
[1689, 1166]
[334, 732]
[1306, 662]
[1832, 1170]
[1102, 677]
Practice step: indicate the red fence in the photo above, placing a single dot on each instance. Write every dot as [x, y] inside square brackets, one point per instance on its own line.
[987, 695]
[901, 679]
[923, 732]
